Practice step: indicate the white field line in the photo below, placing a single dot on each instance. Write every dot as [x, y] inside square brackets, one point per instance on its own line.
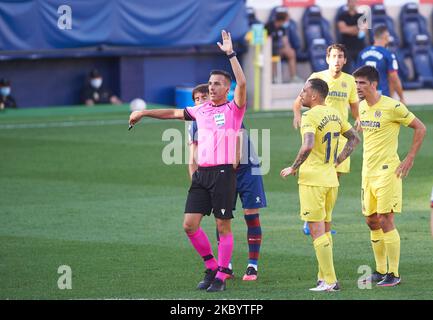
[97, 123]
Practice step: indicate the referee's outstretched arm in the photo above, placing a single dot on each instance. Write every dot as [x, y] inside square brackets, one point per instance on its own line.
[162, 114]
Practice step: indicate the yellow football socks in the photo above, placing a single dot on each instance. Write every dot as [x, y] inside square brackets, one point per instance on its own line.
[323, 249]
[392, 244]
[320, 275]
[329, 235]
[379, 250]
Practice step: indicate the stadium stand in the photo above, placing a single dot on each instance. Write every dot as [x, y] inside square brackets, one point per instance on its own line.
[317, 52]
[423, 60]
[408, 82]
[380, 17]
[131, 54]
[315, 26]
[308, 25]
[139, 48]
[316, 36]
[412, 23]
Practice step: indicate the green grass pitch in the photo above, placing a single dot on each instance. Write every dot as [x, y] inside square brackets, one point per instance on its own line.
[79, 189]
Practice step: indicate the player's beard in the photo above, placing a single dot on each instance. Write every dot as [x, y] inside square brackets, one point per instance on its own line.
[306, 105]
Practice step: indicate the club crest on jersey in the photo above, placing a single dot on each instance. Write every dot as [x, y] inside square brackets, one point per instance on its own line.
[220, 119]
[344, 85]
[378, 114]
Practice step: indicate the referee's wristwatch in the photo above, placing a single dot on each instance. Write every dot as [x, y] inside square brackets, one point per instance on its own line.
[231, 55]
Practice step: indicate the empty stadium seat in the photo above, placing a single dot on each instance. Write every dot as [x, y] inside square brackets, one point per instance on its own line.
[423, 60]
[317, 53]
[315, 26]
[379, 17]
[407, 82]
[412, 24]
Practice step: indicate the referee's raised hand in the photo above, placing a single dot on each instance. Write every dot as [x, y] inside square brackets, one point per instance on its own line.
[227, 45]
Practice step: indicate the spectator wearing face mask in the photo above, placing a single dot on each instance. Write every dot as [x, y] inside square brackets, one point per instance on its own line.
[6, 100]
[95, 93]
[277, 30]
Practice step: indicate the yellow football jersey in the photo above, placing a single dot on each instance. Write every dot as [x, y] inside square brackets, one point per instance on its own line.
[381, 126]
[327, 124]
[342, 91]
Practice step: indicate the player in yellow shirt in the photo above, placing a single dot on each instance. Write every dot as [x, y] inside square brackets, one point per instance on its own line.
[382, 171]
[342, 93]
[317, 159]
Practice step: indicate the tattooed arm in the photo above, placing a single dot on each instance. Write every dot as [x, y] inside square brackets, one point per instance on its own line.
[352, 141]
[303, 154]
[305, 150]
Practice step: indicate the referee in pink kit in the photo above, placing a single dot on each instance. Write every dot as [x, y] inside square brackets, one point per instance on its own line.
[213, 185]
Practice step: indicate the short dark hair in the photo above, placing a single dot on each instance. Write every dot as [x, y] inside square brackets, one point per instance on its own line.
[368, 72]
[5, 83]
[201, 88]
[94, 74]
[222, 73]
[380, 30]
[319, 86]
[281, 16]
[337, 46]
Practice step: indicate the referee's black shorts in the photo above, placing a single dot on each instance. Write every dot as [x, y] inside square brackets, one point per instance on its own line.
[213, 189]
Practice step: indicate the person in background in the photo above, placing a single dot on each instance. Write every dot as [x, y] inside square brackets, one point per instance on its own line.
[384, 61]
[95, 93]
[280, 42]
[352, 37]
[6, 100]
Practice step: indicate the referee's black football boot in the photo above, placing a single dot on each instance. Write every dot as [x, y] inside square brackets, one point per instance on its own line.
[390, 280]
[217, 285]
[208, 279]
